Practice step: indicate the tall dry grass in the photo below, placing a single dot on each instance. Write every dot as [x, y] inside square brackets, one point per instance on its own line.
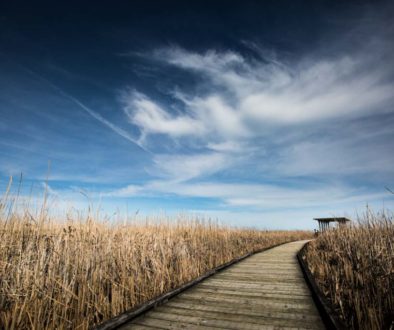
[78, 273]
[354, 267]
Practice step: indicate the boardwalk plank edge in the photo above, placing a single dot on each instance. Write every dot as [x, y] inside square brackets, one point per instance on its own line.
[139, 310]
[324, 306]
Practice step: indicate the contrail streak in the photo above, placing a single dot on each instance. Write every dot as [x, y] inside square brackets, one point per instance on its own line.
[91, 112]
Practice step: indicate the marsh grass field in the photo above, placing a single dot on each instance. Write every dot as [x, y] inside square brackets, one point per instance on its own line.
[354, 267]
[80, 272]
[82, 269]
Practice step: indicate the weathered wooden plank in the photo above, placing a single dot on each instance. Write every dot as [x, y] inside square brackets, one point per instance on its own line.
[249, 301]
[267, 266]
[262, 295]
[264, 287]
[252, 312]
[253, 289]
[238, 317]
[263, 271]
[262, 291]
[256, 285]
[207, 322]
[251, 278]
[166, 324]
[235, 294]
[264, 264]
[257, 264]
[263, 277]
[260, 284]
[134, 326]
[284, 259]
[234, 279]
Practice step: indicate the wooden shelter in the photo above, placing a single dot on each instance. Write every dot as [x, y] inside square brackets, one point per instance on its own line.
[324, 223]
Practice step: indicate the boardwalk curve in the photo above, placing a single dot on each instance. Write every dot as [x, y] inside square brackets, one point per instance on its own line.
[264, 291]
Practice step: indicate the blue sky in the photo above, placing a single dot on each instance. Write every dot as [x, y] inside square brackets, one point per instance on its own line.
[257, 113]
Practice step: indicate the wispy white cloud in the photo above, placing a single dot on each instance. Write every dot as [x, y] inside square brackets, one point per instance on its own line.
[130, 190]
[152, 119]
[228, 146]
[181, 167]
[211, 61]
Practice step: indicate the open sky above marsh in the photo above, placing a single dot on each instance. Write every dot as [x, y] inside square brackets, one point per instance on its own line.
[259, 113]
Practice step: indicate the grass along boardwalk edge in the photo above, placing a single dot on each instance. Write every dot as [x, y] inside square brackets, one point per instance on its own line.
[325, 308]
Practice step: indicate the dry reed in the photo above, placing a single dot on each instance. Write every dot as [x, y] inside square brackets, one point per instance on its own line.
[354, 267]
[76, 274]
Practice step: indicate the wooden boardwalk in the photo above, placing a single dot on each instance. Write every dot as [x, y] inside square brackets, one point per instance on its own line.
[264, 291]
